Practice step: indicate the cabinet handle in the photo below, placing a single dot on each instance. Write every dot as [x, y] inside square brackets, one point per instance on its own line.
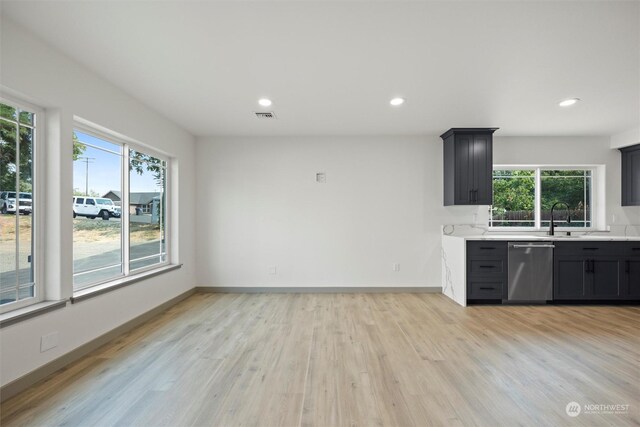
[590, 249]
[487, 266]
[470, 198]
[475, 196]
[627, 267]
[588, 266]
[487, 248]
[487, 289]
[635, 249]
[593, 266]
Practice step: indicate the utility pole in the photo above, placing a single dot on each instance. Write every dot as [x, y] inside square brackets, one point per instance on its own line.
[86, 160]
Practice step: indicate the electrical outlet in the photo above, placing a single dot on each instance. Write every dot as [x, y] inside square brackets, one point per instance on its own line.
[396, 267]
[49, 341]
[273, 270]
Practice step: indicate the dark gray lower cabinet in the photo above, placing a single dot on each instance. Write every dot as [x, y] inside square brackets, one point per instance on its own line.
[582, 271]
[631, 286]
[486, 271]
[605, 279]
[631, 271]
[570, 278]
[601, 271]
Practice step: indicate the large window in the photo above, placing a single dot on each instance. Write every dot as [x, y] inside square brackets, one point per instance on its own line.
[147, 201]
[523, 197]
[120, 213]
[97, 223]
[17, 194]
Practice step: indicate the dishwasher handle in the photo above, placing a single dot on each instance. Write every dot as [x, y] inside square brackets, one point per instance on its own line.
[517, 246]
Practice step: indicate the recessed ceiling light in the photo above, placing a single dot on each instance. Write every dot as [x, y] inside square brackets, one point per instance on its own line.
[396, 101]
[568, 102]
[264, 102]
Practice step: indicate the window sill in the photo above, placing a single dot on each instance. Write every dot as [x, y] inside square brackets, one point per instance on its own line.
[30, 311]
[119, 283]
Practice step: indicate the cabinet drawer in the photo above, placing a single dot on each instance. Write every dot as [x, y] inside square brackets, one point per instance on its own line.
[485, 248]
[487, 266]
[485, 289]
[588, 249]
[632, 249]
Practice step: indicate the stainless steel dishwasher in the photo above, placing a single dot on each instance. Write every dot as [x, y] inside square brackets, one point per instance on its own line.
[530, 272]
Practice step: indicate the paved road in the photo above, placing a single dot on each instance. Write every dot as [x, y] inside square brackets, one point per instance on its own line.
[8, 279]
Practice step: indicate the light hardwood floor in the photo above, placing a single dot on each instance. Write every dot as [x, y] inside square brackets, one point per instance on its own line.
[349, 359]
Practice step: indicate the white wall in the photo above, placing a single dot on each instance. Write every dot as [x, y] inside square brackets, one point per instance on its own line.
[47, 78]
[261, 207]
[381, 204]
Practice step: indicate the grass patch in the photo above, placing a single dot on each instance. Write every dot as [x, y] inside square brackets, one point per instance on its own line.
[94, 230]
[84, 230]
[8, 227]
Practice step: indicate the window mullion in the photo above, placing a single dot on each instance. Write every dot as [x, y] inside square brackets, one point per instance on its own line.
[17, 205]
[124, 210]
[538, 200]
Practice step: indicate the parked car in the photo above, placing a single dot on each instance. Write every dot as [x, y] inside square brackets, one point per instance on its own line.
[92, 207]
[8, 201]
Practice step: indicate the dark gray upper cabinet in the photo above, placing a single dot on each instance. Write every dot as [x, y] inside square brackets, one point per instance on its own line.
[468, 166]
[631, 175]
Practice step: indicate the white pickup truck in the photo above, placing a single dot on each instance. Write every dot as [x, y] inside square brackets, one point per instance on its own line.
[92, 207]
[8, 203]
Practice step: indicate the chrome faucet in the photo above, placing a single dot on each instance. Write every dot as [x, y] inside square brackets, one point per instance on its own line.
[552, 225]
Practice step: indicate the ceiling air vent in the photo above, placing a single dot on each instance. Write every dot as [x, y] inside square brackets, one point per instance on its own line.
[266, 115]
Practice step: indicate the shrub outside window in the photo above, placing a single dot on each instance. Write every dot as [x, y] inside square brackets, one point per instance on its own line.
[523, 197]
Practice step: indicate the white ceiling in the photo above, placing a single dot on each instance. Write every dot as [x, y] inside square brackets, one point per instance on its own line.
[331, 67]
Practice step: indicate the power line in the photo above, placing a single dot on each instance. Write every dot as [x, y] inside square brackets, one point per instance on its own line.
[86, 160]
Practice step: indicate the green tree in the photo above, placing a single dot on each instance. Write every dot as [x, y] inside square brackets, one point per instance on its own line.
[140, 162]
[9, 152]
[78, 147]
[514, 191]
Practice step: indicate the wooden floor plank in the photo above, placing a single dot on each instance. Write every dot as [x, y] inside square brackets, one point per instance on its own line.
[349, 360]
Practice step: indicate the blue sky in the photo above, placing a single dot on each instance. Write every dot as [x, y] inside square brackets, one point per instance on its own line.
[104, 169]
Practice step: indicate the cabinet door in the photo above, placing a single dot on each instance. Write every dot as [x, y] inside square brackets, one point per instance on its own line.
[631, 176]
[570, 278]
[482, 170]
[631, 287]
[464, 169]
[605, 279]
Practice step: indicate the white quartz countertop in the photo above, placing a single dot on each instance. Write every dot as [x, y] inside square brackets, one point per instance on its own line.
[560, 237]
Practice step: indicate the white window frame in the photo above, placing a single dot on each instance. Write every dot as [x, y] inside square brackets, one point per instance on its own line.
[597, 197]
[127, 144]
[37, 203]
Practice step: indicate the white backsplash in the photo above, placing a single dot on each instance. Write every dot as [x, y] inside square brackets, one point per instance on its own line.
[629, 230]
